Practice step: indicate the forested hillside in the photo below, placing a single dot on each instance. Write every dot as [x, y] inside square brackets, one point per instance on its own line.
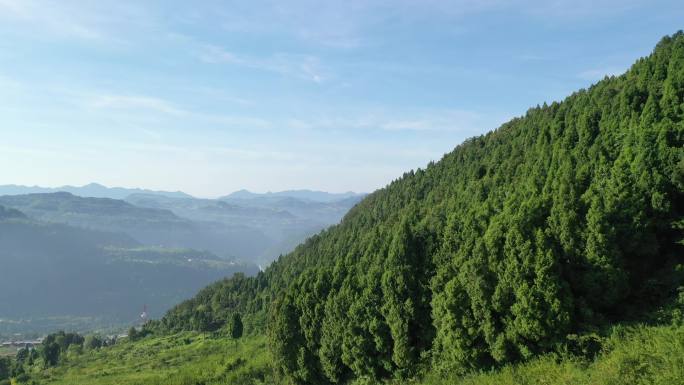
[558, 223]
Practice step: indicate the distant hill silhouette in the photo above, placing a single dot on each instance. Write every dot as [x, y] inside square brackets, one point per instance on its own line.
[55, 275]
[7, 213]
[256, 229]
[316, 196]
[94, 190]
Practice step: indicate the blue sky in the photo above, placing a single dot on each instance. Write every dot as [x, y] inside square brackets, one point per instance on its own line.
[213, 96]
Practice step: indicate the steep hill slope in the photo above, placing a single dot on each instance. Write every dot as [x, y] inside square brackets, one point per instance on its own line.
[558, 222]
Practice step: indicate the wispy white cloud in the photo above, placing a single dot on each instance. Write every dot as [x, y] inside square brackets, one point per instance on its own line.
[451, 120]
[138, 109]
[135, 102]
[530, 57]
[596, 74]
[68, 19]
[236, 121]
[215, 152]
[32, 151]
[342, 24]
[555, 10]
[350, 24]
[8, 84]
[220, 94]
[460, 121]
[306, 67]
[48, 16]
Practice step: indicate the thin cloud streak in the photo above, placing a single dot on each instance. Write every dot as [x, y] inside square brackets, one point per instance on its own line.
[137, 107]
[431, 120]
[599, 73]
[136, 103]
[98, 23]
[47, 16]
[302, 66]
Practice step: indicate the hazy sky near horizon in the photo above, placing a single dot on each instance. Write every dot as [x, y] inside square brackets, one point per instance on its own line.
[209, 97]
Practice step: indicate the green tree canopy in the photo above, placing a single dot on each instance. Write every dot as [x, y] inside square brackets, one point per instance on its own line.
[236, 326]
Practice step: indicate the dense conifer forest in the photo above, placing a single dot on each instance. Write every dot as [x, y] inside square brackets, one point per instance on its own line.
[524, 241]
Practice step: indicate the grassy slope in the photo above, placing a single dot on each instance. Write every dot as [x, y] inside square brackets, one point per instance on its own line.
[180, 359]
[642, 355]
[637, 355]
[7, 351]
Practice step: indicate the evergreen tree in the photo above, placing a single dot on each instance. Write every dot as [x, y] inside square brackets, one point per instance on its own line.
[236, 326]
[133, 334]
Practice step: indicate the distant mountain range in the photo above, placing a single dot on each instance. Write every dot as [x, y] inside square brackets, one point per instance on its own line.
[315, 196]
[78, 262]
[94, 190]
[260, 228]
[248, 226]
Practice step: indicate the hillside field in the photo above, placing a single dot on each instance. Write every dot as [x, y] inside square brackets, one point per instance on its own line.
[630, 355]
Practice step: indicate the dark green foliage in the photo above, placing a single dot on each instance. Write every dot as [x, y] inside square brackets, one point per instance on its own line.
[5, 368]
[215, 302]
[55, 346]
[93, 342]
[134, 334]
[236, 326]
[23, 355]
[555, 224]
[50, 353]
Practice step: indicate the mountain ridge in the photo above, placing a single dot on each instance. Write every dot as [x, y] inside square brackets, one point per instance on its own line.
[97, 190]
[256, 230]
[311, 195]
[94, 190]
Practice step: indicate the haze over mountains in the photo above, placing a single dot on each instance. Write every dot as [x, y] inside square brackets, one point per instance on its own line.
[61, 276]
[244, 225]
[317, 196]
[78, 261]
[95, 190]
